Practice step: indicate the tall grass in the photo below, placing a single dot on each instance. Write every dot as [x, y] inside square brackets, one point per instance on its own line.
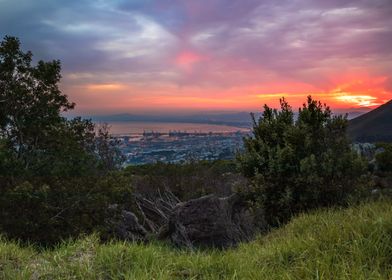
[355, 243]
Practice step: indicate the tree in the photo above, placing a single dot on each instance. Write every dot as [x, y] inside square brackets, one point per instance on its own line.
[30, 100]
[31, 123]
[110, 157]
[297, 165]
[56, 178]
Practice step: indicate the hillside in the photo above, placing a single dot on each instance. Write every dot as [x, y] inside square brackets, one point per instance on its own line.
[354, 243]
[374, 126]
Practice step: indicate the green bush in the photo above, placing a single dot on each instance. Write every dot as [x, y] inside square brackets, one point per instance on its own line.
[297, 165]
[47, 210]
[186, 181]
[384, 158]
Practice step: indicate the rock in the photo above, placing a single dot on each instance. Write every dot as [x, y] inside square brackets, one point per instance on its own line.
[124, 225]
[375, 192]
[209, 221]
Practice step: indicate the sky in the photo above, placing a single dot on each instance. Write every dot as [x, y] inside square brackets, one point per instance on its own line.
[181, 56]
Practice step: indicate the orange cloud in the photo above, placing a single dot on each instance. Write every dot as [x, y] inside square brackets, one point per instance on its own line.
[348, 92]
[105, 87]
[364, 91]
[359, 100]
[168, 97]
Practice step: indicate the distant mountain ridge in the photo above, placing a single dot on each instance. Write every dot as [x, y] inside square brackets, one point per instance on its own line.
[374, 126]
[236, 119]
[240, 119]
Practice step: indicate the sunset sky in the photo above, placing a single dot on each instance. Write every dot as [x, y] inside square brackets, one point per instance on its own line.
[179, 56]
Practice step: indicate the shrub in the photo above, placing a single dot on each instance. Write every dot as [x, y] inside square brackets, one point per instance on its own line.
[56, 175]
[384, 158]
[297, 165]
[47, 210]
[186, 181]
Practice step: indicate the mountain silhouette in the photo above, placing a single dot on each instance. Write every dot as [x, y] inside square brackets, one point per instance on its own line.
[374, 126]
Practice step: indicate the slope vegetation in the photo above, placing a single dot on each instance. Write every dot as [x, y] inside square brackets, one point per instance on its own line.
[354, 243]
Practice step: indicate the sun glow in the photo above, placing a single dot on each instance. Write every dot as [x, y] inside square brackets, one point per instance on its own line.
[359, 100]
[346, 93]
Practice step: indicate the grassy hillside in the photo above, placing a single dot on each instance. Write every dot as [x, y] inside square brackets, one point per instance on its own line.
[355, 243]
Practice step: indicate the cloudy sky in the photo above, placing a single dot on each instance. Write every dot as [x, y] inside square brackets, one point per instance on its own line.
[209, 55]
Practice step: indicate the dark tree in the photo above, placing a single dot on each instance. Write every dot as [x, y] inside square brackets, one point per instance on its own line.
[297, 165]
[42, 140]
[30, 100]
[57, 176]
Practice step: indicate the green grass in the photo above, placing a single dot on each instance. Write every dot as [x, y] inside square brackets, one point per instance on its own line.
[354, 243]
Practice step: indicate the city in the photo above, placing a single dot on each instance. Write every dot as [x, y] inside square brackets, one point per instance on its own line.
[178, 147]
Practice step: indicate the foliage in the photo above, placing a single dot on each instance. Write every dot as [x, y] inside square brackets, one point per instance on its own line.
[46, 211]
[297, 165]
[8, 164]
[109, 155]
[186, 181]
[37, 135]
[30, 100]
[56, 175]
[384, 158]
[334, 244]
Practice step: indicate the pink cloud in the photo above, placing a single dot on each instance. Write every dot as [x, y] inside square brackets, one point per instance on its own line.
[187, 59]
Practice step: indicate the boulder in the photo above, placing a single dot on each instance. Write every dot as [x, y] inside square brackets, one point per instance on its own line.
[209, 221]
[124, 225]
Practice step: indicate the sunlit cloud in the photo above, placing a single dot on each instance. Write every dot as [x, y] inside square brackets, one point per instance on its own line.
[105, 87]
[359, 100]
[170, 55]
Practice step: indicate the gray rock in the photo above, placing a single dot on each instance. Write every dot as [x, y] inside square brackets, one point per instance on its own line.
[124, 225]
[209, 221]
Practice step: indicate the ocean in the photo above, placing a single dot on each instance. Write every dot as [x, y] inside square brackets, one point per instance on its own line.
[130, 127]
